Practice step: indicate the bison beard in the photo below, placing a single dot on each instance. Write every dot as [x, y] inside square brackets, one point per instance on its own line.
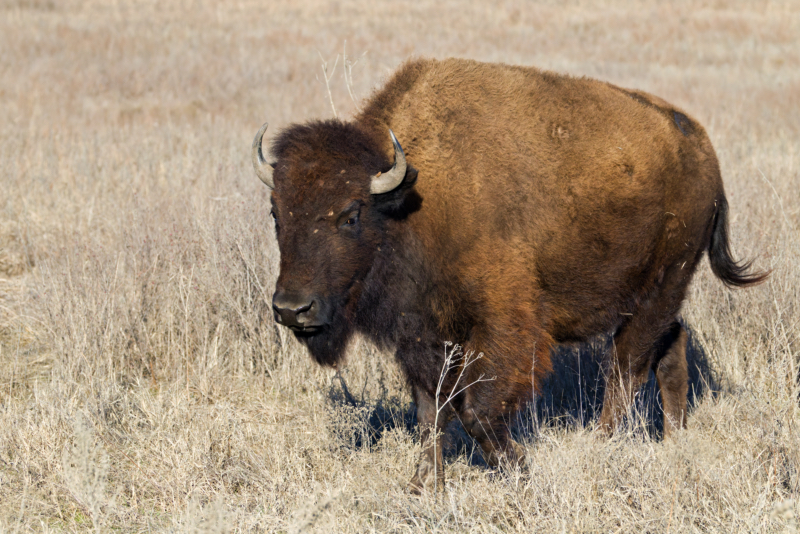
[327, 347]
[524, 208]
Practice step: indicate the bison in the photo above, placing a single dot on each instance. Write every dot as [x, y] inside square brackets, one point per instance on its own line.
[524, 208]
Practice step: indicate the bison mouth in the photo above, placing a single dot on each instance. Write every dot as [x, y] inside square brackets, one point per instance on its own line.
[325, 343]
[307, 331]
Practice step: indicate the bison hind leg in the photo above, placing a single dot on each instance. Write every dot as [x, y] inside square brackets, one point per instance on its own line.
[652, 338]
[635, 352]
[672, 374]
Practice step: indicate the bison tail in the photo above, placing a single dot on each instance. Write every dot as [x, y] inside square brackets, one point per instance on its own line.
[731, 272]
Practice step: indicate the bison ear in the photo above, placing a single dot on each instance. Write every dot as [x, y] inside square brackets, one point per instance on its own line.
[402, 200]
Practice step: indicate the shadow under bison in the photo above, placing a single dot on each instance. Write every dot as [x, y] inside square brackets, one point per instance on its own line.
[571, 396]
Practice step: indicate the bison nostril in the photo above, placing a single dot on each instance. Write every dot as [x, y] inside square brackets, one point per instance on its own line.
[303, 309]
[293, 310]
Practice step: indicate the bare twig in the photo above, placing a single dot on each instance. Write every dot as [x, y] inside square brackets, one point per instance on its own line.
[328, 78]
[348, 74]
[778, 197]
[452, 359]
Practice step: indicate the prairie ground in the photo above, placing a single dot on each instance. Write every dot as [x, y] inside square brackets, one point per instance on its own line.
[143, 384]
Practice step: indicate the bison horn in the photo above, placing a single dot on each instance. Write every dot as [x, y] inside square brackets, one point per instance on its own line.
[383, 183]
[263, 169]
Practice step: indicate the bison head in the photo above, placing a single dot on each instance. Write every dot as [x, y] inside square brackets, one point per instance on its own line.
[333, 191]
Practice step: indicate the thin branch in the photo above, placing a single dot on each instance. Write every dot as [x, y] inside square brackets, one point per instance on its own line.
[455, 357]
[348, 74]
[328, 78]
[777, 196]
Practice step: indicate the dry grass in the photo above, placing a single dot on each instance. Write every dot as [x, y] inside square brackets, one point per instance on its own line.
[142, 386]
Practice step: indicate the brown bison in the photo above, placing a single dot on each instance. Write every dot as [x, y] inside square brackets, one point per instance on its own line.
[525, 208]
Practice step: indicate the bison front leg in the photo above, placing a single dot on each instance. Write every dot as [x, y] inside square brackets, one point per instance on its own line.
[487, 424]
[430, 471]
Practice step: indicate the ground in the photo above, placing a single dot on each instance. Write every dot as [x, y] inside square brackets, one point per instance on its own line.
[144, 388]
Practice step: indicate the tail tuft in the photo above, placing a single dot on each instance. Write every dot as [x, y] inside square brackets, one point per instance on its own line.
[719, 254]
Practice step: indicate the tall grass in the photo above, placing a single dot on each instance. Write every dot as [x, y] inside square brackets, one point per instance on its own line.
[143, 383]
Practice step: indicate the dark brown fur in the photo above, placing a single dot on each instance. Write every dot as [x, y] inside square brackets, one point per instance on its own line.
[537, 208]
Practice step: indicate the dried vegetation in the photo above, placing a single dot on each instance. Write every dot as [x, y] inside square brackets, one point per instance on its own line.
[144, 388]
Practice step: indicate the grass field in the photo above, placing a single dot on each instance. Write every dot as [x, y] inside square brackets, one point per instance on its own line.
[143, 384]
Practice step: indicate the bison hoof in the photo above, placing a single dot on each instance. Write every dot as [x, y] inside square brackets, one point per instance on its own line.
[511, 456]
[415, 486]
[426, 479]
[519, 454]
[606, 427]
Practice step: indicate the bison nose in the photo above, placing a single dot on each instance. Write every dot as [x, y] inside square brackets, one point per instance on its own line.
[294, 310]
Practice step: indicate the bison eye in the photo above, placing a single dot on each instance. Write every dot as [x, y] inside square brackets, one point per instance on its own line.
[352, 220]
